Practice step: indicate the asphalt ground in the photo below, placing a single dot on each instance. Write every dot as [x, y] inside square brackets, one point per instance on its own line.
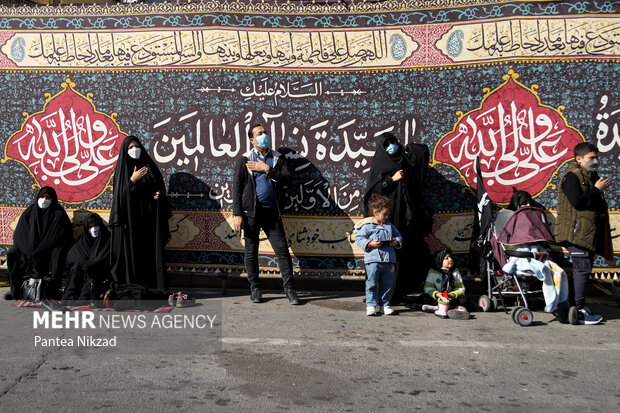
[323, 355]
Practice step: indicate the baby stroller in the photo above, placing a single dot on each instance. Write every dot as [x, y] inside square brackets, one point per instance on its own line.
[517, 239]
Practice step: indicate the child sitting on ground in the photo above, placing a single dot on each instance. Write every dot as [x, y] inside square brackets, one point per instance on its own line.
[378, 238]
[446, 286]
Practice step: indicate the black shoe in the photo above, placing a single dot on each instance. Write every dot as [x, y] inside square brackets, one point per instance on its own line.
[51, 305]
[292, 296]
[256, 295]
[8, 296]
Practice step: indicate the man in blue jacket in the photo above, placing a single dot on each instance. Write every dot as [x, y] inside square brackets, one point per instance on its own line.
[259, 177]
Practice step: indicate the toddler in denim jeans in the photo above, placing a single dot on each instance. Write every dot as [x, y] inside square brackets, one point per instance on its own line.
[378, 238]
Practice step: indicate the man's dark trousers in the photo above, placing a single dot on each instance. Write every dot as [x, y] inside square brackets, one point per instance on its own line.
[270, 221]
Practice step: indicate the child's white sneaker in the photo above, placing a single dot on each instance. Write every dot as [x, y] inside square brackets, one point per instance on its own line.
[428, 308]
[387, 310]
[370, 310]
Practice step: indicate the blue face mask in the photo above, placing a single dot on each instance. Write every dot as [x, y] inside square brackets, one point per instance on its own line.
[263, 141]
[392, 148]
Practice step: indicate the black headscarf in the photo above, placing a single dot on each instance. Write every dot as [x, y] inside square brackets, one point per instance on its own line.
[406, 194]
[40, 231]
[447, 278]
[94, 251]
[519, 198]
[152, 182]
[139, 223]
[88, 263]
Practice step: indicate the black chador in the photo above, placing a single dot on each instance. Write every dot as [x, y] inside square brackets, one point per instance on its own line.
[408, 212]
[138, 221]
[88, 261]
[41, 240]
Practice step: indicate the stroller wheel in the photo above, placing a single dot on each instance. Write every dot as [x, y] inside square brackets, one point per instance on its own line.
[573, 316]
[561, 312]
[485, 303]
[524, 317]
[513, 313]
[495, 302]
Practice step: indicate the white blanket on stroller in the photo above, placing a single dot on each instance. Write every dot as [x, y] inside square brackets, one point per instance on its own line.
[555, 288]
[555, 281]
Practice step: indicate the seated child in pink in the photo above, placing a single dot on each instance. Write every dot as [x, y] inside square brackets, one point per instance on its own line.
[446, 286]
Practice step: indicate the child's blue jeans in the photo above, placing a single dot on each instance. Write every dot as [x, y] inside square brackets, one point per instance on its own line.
[381, 275]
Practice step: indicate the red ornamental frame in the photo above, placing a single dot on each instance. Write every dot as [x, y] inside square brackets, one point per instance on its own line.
[67, 85]
[574, 136]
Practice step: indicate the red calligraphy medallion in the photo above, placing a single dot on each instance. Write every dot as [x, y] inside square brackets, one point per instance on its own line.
[521, 142]
[69, 145]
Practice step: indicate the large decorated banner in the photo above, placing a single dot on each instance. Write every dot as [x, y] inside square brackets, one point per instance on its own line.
[516, 83]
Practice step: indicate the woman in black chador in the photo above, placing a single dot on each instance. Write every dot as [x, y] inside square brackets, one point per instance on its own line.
[88, 261]
[138, 219]
[399, 172]
[41, 240]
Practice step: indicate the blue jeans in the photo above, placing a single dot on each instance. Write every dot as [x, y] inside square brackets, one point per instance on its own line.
[381, 275]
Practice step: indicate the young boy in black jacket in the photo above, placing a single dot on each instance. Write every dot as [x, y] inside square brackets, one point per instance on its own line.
[582, 223]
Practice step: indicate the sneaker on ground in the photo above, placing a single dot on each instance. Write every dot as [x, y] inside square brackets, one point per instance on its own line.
[292, 296]
[387, 310]
[458, 314]
[172, 299]
[429, 308]
[587, 318]
[184, 300]
[256, 295]
[370, 310]
[51, 305]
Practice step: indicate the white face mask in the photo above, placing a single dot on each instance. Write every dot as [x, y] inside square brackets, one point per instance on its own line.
[44, 203]
[94, 231]
[134, 152]
[592, 164]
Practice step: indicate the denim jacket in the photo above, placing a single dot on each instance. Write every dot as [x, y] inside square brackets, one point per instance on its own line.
[372, 231]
